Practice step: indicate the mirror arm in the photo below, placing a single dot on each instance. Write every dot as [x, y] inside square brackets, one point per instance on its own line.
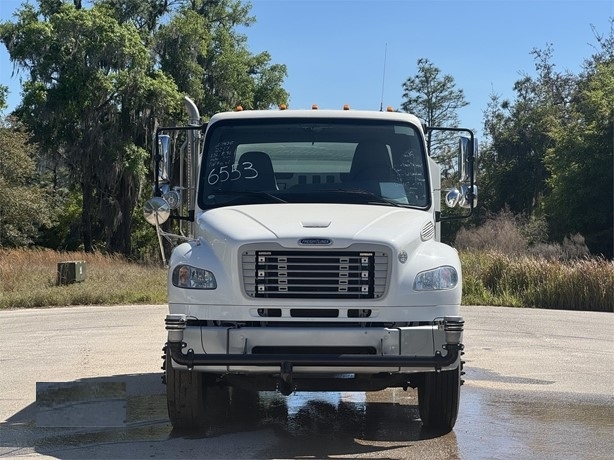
[188, 218]
[459, 217]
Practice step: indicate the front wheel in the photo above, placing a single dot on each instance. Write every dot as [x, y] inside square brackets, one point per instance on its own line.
[439, 398]
[185, 396]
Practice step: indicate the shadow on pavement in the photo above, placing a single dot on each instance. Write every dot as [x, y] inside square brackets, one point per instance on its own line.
[97, 416]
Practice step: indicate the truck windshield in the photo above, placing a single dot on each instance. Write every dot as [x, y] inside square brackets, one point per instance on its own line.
[313, 161]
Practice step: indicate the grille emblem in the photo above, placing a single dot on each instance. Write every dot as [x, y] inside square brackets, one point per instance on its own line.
[315, 241]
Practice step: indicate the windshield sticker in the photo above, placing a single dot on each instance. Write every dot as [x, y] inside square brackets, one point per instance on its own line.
[223, 154]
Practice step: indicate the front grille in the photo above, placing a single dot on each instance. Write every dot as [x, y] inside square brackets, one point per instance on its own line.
[308, 274]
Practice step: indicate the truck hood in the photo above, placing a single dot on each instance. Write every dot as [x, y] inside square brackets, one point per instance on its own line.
[296, 225]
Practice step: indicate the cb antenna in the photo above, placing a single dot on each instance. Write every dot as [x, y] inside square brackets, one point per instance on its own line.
[381, 105]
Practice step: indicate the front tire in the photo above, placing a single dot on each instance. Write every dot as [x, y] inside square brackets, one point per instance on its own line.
[185, 396]
[439, 398]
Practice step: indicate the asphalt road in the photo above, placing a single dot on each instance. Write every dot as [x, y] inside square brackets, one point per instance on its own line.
[84, 382]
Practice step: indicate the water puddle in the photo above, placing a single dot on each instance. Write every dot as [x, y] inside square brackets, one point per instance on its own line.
[123, 412]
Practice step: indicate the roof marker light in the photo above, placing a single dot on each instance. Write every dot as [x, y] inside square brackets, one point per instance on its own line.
[282, 107]
[389, 109]
[239, 108]
[314, 107]
[346, 107]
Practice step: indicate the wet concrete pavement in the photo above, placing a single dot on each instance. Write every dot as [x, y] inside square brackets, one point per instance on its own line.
[535, 388]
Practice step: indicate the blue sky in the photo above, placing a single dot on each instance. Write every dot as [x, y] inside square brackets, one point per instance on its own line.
[335, 49]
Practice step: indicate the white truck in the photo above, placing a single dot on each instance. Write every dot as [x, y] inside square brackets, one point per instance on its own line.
[307, 257]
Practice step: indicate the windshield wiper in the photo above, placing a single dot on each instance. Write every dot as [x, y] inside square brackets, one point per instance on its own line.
[374, 197]
[241, 193]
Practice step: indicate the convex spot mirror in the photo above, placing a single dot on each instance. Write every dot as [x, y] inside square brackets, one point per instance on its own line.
[156, 210]
[453, 197]
[467, 201]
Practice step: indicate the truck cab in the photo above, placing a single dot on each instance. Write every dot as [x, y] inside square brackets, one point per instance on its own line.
[307, 258]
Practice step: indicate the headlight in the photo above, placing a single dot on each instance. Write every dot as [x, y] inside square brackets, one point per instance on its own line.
[438, 279]
[186, 276]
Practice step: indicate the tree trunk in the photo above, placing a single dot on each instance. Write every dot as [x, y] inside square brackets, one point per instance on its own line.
[86, 216]
[121, 239]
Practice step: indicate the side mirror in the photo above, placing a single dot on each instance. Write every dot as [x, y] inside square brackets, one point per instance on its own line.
[468, 194]
[460, 185]
[163, 161]
[467, 152]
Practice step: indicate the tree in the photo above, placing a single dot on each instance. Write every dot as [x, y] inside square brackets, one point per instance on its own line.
[200, 48]
[145, 15]
[91, 101]
[102, 75]
[435, 99]
[24, 204]
[3, 94]
[521, 133]
[580, 162]
[550, 154]
[197, 44]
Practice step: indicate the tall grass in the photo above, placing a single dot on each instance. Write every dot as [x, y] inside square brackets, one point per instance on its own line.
[493, 278]
[28, 279]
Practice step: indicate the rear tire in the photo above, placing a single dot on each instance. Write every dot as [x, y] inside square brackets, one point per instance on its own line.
[439, 398]
[185, 396]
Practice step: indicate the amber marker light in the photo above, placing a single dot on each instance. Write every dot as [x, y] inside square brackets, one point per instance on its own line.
[389, 109]
[283, 107]
[239, 108]
[314, 107]
[346, 107]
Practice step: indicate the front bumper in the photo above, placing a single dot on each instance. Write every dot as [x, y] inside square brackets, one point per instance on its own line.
[279, 350]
